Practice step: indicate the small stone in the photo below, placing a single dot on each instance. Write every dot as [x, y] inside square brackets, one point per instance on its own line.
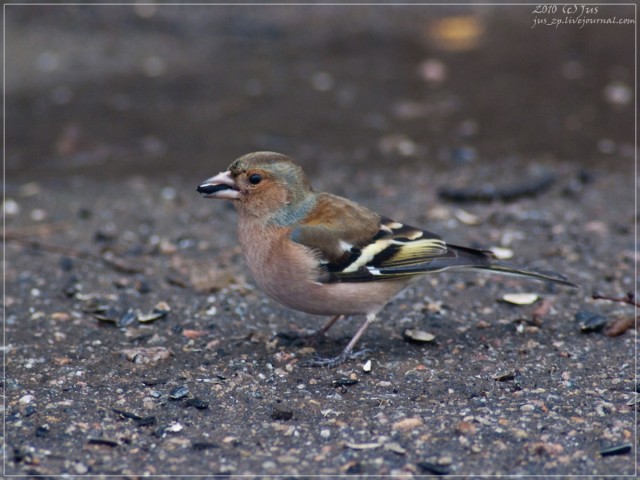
[11, 207]
[433, 70]
[280, 412]
[322, 81]
[154, 66]
[168, 193]
[269, 465]
[367, 366]
[618, 93]
[38, 215]
[193, 334]
[466, 428]
[174, 428]
[325, 433]
[407, 423]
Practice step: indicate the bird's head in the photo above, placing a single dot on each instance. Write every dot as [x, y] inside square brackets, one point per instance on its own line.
[267, 185]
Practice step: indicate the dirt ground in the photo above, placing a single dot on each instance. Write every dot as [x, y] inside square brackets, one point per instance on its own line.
[135, 341]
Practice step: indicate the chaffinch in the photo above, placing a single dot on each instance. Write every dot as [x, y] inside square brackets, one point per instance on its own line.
[326, 255]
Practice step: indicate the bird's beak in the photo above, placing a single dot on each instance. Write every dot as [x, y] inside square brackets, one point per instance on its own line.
[220, 186]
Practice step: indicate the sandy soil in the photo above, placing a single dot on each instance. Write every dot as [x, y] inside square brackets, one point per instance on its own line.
[115, 114]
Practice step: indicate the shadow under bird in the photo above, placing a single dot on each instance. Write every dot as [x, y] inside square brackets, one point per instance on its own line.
[326, 255]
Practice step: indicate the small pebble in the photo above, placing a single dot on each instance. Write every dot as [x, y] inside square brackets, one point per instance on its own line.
[142, 286]
[174, 428]
[168, 193]
[433, 70]
[38, 215]
[11, 207]
[280, 412]
[66, 264]
[367, 366]
[322, 81]
[154, 66]
[618, 93]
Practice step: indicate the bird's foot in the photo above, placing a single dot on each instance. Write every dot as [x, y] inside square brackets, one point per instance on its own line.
[335, 361]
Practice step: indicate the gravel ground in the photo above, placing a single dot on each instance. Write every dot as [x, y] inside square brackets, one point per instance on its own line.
[137, 344]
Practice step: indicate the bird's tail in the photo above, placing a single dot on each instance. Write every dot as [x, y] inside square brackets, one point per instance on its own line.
[504, 268]
[485, 260]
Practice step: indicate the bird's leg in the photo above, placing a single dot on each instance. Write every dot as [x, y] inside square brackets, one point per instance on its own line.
[321, 331]
[347, 353]
[311, 338]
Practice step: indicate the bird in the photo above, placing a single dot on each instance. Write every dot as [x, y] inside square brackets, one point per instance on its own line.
[324, 254]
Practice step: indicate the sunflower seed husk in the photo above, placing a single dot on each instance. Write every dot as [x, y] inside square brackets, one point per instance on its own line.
[520, 298]
[418, 336]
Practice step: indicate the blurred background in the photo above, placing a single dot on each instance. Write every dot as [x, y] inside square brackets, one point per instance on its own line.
[108, 91]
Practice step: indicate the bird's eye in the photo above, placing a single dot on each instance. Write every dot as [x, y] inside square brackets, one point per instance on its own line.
[255, 179]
